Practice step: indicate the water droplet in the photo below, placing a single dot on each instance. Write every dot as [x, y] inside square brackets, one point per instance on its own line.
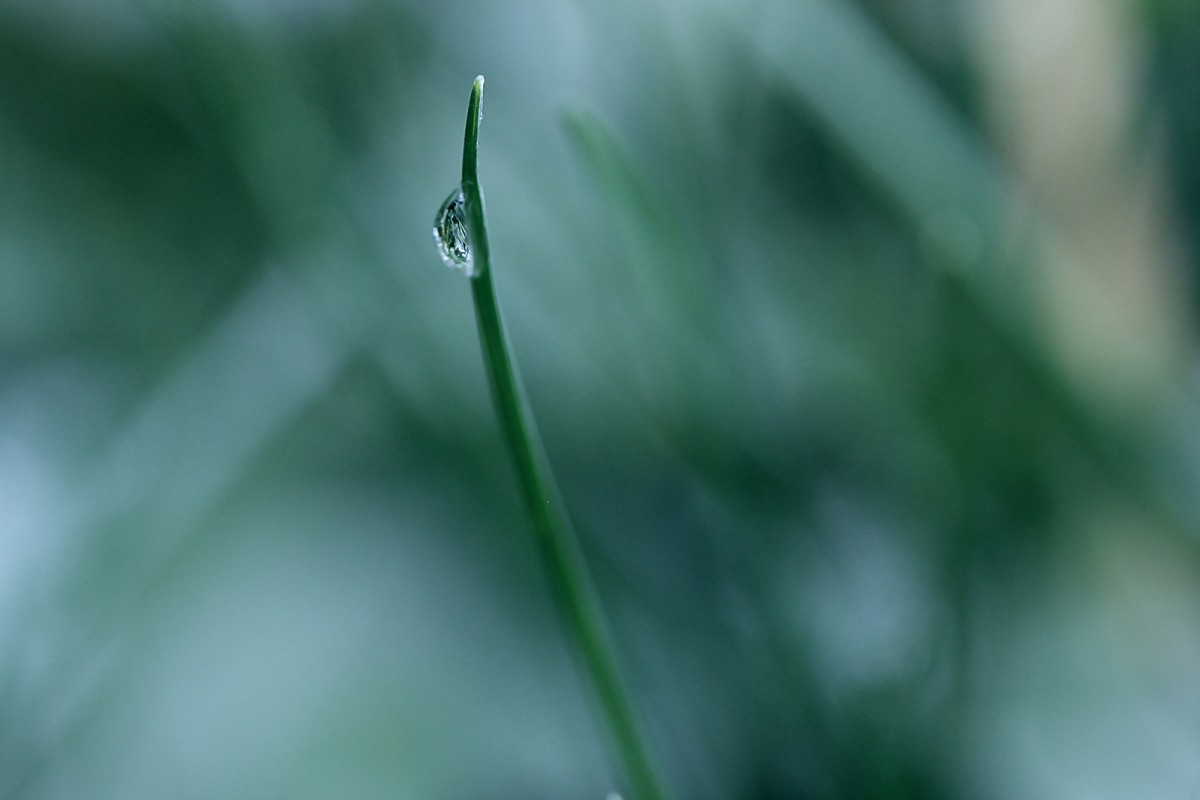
[450, 232]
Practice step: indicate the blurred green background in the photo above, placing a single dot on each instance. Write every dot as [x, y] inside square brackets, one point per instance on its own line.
[862, 336]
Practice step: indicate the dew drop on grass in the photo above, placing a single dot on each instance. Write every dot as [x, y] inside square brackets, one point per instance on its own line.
[450, 234]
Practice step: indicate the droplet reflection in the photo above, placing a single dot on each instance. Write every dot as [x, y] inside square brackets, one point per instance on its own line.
[450, 232]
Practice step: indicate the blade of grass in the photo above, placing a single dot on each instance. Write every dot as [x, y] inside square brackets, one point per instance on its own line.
[556, 541]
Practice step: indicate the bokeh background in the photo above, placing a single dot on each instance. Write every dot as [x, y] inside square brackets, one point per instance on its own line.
[862, 336]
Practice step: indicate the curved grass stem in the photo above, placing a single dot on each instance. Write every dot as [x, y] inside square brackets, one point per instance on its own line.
[557, 544]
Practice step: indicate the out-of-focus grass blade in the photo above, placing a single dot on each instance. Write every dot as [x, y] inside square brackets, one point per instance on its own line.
[883, 114]
[191, 442]
[667, 271]
[892, 124]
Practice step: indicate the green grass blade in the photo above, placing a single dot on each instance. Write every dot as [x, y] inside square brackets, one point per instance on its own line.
[556, 541]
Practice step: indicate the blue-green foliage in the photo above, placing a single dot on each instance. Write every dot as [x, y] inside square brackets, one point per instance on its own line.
[859, 335]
